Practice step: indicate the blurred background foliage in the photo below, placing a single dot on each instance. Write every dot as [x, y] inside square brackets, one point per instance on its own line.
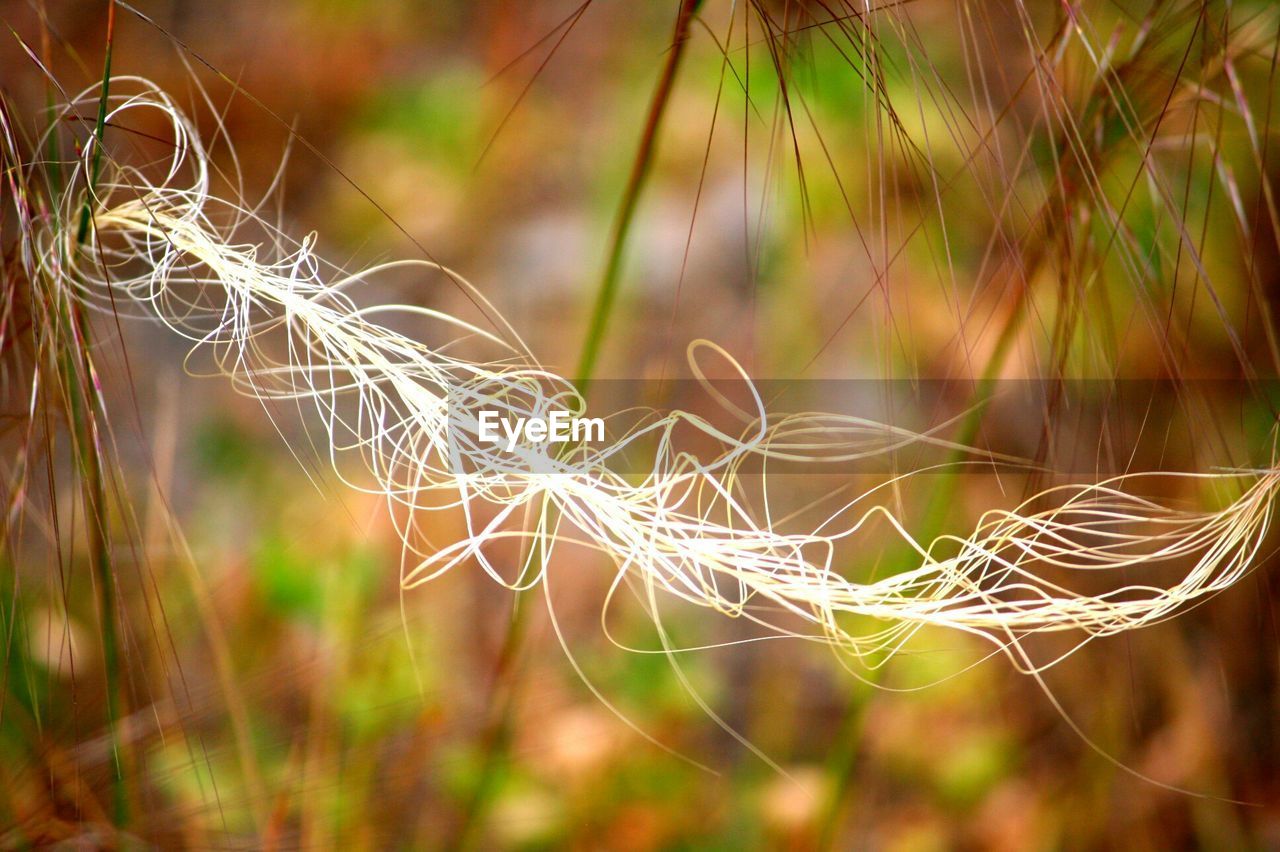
[961, 190]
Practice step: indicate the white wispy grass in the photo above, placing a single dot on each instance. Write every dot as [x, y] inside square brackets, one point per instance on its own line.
[164, 246]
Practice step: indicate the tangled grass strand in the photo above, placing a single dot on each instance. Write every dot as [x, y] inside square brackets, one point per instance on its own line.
[164, 245]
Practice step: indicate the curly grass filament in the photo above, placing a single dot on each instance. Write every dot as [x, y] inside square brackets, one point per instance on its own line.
[170, 247]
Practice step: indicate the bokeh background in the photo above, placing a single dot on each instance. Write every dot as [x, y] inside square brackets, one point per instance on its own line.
[967, 191]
